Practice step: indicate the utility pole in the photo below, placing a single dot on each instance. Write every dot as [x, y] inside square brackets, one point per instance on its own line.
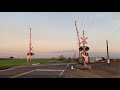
[108, 60]
[83, 38]
[78, 37]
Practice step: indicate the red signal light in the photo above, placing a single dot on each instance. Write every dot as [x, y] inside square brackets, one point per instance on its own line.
[81, 48]
[86, 48]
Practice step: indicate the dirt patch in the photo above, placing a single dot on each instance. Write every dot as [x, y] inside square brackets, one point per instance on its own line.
[78, 73]
[98, 70]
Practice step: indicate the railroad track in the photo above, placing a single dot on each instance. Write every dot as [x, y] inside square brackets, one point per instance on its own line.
[114, 67]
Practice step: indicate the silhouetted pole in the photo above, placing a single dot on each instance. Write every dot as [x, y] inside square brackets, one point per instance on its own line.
[108, 60]
[78, 37]
[29, 54]
[30, 48]
[83, 38]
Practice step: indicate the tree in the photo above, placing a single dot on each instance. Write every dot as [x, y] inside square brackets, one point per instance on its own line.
[61, 58]
[53, 58]
[11, 57]
[69, 58]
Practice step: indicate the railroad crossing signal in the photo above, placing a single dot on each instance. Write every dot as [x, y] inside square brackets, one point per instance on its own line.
[84, 40]
[84, 48]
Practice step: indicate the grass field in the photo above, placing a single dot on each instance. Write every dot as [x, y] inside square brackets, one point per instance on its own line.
[9, 63]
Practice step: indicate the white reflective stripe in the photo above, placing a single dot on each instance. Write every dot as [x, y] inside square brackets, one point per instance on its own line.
[48, 70]
[64, 70]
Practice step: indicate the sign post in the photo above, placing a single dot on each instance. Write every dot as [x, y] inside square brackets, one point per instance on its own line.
[108, 60]
[29, 54]
[84, 50]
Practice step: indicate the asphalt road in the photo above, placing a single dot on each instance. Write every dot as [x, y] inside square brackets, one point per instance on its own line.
[53, 70]
[57, 70]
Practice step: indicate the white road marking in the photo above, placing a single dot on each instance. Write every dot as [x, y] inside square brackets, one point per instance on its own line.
[64, 70]
[11, 68]
[53, 64]
[37, 70]
[7, 69]
[48, 70]
[33, 65]
[67, 65]
[61, 72]
[22, 74]
[36, 66]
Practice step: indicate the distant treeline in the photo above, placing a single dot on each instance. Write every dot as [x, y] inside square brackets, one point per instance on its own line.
[5, 58]
[10, 58]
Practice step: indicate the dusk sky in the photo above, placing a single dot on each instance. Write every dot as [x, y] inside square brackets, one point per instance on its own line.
[54, 33]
